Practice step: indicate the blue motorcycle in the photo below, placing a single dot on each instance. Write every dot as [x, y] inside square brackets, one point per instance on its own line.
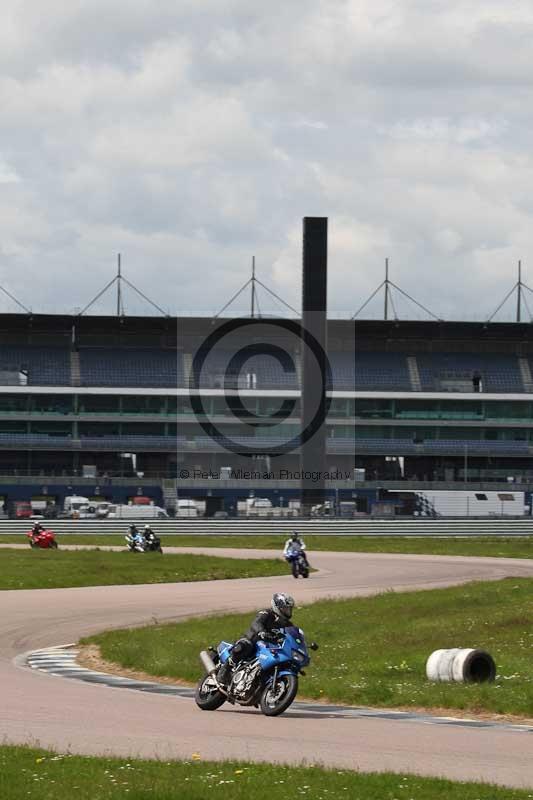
[299, 564]
[268, 681]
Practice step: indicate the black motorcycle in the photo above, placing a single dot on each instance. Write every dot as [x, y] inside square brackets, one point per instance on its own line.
[152, 544]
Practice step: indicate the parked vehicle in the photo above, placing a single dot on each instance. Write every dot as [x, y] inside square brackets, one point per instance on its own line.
[45, 539]
[258, 507]
[76, 506]
[298, 562]
[269, 680]
[186, 508]
[21, 509]
[137, 512]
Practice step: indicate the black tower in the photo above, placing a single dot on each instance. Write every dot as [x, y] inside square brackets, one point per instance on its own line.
[314, 360]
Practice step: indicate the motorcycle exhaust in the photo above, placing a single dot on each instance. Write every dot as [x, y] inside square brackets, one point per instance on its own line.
[207, 661]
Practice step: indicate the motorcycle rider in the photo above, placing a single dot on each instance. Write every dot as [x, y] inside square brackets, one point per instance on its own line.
[265, 625]
[295, 543]
[135, 535]
[148, 533]
[36, 530]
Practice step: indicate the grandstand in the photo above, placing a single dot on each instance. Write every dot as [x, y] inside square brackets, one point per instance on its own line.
[440, 402]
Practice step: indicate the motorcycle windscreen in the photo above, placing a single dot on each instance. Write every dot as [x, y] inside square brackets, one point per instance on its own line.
[224, 650]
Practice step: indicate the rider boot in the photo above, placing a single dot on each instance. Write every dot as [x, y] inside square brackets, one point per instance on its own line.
[225, 672]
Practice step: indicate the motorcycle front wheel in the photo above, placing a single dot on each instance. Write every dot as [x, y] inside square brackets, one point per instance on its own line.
[275, 701]
[207, 696]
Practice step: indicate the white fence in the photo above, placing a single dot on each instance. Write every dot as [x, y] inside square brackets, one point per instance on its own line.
[204, 527]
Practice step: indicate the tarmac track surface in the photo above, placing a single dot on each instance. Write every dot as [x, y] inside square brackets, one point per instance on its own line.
[85, 718]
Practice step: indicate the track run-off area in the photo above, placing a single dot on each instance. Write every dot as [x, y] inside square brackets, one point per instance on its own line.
[88, 718]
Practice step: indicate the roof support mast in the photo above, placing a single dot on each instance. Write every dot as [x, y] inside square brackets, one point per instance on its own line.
[519, 293]
[387, 285]
[386, 309]
[119, 279]
[521, 298]
[119, 288]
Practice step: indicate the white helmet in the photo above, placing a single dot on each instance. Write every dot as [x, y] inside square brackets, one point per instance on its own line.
[282, 605]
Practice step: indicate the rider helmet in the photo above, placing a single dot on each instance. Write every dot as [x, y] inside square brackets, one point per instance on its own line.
[282, 605]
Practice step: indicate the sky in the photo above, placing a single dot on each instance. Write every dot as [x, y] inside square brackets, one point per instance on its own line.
[192, 135]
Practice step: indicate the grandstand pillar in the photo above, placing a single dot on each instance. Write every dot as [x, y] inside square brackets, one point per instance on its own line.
[314, 361]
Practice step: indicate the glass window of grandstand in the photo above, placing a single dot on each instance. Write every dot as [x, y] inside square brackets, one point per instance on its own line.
[7, 426]
[143, 429]
[51, 403]
[438, 409]
[172, 405]
[98, 430]
[474, 434]
[373, 408]
[340, 407]
[451, 409]
[340, 432]
[145, 404]
[181, 405]
[413, 409]
[373, 432]
[272, 406]
[506, 410]
[13, 403]
[51, 428]
[98, 404]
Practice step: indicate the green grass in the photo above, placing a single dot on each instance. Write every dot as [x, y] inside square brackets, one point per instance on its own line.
[27, 773]
[52, 569]
[373, 650]
[499, 546]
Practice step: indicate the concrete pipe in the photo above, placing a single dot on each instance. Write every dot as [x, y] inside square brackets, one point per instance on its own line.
[460, 665]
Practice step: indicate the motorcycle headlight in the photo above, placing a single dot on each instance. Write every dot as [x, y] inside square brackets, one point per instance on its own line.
[298, 656]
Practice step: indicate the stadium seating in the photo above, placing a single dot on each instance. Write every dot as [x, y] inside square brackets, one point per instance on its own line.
[376, 371]
[257, 372]
[131, 367]
[442, 371]
[44, 366]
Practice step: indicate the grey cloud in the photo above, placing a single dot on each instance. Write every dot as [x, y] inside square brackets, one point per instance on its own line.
[191, 136]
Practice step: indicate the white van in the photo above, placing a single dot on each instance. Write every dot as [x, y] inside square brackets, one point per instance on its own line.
[138, 512]
[186, 508]
[76, 505]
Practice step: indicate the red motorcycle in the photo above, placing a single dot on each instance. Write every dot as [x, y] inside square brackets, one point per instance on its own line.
[44, 539]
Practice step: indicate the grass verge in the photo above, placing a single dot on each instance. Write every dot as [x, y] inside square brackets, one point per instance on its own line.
[373, 650]
[27, 772]
[498, 546]
[53, 569]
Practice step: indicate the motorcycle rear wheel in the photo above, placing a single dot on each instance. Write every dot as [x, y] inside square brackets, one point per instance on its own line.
[53, 545]
[275, 703]
[208, 699]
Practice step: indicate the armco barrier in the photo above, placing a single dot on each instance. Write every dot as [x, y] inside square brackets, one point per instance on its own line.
[199, 527]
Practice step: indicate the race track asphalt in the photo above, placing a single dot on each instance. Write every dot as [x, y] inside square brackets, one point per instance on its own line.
[85, 718]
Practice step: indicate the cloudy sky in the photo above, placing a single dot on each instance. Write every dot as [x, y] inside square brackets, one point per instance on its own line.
[191, 135]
